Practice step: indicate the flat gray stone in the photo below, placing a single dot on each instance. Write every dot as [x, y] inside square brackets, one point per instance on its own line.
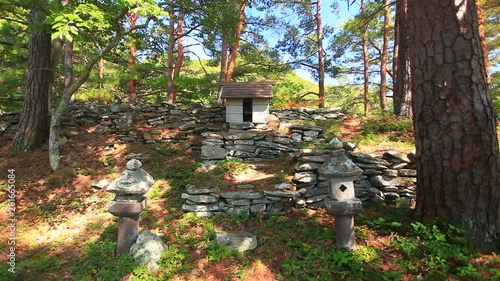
[238, 240]
[285, 194]
[241, 195]
[202, 207]
[193, 190]
[283, 186]
[301, 167]
[200, 198]
[407, 173]
[305, 177]
[213, 153]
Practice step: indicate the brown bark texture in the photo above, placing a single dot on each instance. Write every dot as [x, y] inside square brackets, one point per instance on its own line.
[223, 65]
[455, 124]
[366, 64]
[482, 35]
[170, 58]
[383, 58]
[132, 83]
[33, 128]
[321, 58]
[180, 53]
[402, 71]
[231, 62]
[100, 72]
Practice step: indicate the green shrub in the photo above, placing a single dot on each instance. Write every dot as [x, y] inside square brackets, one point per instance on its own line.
[387, 123]
[99, 262]
[439, 249]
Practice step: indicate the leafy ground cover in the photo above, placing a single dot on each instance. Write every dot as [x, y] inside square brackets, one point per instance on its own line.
[64, 232]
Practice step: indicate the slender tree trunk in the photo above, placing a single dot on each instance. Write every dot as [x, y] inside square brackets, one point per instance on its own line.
[223, 65]
[231, 64]
[455, 124]
[132, 83]
[100, 72]
[383, 59]
[55, 121]
[33, 128]
[68, 59]
[402, 70]
[366, 63]
[321, 58]
[68, 64]
[180, 52]
[170, 58]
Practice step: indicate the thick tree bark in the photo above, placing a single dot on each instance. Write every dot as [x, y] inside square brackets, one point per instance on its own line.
[482, 35]
[366, 64]
[455, 124]
[223, 65]
[402, 71]
[33, 128]
[170, 58]
[132, 83]
[383, 58]
[321, 57]
[231, 62]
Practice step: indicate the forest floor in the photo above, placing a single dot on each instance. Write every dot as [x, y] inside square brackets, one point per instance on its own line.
[64, 232]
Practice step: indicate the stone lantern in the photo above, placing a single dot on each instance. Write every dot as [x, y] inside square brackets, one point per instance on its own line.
[129, 201]
[341, 201]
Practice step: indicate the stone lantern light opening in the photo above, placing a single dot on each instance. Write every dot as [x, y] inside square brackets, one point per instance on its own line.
[129, 201]
[341, 200]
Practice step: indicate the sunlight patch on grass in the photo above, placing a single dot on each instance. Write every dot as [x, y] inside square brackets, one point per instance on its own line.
[65, 233]
[379, 146]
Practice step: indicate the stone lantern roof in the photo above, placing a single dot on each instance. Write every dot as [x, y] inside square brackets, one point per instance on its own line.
[339, 166]
[132, 181]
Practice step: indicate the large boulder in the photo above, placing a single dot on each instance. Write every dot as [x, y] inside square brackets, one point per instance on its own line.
[147, 250]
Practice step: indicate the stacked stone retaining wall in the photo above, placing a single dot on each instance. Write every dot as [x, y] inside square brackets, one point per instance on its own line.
[385, 178]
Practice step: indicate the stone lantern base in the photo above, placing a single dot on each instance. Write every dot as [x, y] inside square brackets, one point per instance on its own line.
[344, 212]
[128, 222]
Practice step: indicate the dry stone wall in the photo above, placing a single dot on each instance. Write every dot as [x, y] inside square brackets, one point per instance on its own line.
[154, 119]
[385, 178]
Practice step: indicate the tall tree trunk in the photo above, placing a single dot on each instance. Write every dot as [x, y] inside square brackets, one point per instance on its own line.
[455, 124]
[132, 83]
[68, 59]
[170, 58]
[383, 59]
[321, 57]
[482, 35]
[366, 63]
[33, 128]
[236, 44]
[180, 52]
[223, 66]
[100, 72]
[402, 71]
